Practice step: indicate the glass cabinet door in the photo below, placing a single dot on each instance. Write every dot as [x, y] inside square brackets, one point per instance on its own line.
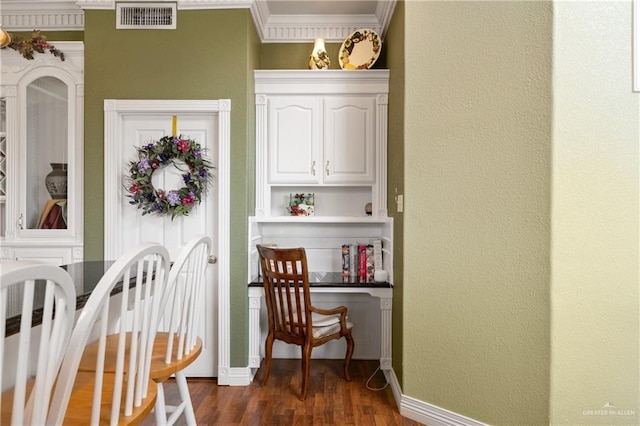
[46, 154]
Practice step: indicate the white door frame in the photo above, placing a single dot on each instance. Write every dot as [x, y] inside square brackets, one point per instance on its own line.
[114, 110]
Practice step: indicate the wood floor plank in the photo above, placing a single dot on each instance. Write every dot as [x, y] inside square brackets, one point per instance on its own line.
[330, 398]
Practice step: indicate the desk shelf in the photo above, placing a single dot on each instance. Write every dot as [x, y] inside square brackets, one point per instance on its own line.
[323, 241]
[321, 219]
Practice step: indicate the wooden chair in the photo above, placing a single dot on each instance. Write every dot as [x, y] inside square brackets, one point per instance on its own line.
[292, 317]
[30, 360]
[126, 394]
[179, 343]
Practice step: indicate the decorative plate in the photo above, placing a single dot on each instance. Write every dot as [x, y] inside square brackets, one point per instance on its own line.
[360, 50]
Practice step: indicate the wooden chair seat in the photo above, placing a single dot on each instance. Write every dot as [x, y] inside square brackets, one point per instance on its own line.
[81, 401]
[160, 370]
[7, 403]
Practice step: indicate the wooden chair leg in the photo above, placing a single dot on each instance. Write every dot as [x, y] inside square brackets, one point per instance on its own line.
[306, 369]
[347, 358]
[268, 349]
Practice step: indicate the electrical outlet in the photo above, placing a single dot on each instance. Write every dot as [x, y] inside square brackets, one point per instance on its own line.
[400, 203]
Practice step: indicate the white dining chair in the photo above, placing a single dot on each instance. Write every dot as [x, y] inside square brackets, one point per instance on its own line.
[124, 394]
[179, 341]
[30, 360]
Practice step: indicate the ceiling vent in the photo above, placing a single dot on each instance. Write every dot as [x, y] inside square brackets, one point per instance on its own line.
[146, 16]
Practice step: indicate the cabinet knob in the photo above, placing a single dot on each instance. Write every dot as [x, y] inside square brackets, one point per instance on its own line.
[327, 168]
[313, 168]
[213, 259]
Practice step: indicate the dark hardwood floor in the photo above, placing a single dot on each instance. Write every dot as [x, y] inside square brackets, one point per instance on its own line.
[330, 399]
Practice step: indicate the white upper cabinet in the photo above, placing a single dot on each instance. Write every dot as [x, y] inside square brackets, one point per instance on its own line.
[295, 140]
[41, 141]
[318, 140]
[349, 139]
[322, 132]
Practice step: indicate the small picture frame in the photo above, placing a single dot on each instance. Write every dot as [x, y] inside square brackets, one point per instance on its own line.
[301, 204]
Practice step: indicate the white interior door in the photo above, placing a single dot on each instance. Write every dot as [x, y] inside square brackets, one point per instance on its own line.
[141, 129]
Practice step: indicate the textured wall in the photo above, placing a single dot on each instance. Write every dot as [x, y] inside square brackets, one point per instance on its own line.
[395, 54]
[595, 330]
[477, 212]
[210, 56]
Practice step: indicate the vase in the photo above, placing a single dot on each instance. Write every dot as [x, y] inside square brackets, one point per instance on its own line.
[56, 181]
[319, 59]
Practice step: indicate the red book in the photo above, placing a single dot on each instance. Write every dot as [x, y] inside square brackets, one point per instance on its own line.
[362, 261]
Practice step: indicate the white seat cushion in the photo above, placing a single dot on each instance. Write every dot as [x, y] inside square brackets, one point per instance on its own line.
[328, 329]
[319, 320]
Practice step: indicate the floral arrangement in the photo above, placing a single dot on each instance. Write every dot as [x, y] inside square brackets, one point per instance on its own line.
[37, 43]
[153, 156]
[301, 204]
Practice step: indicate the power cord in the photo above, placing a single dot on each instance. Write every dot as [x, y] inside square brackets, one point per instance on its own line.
[371, 377]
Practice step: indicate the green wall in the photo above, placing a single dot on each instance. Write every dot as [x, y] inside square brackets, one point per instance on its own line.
[395, 55]
[187, 63]
[477, 148]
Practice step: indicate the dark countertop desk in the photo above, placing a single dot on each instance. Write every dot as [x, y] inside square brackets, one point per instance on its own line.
[86, 276]
[331, 280]
[332, 283]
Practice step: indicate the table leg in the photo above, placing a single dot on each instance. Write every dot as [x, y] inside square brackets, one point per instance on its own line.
[255, 303]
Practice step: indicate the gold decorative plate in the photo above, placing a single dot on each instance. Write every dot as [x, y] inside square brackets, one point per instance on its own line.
[360, 50]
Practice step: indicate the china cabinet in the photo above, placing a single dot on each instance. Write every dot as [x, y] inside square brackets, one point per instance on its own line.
[41, 140]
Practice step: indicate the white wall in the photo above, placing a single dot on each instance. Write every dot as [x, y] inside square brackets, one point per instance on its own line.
[595, 217]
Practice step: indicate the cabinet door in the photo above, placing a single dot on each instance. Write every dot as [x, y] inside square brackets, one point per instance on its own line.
[52, 255]
[349, 140]
[46, 155]
[294, 138]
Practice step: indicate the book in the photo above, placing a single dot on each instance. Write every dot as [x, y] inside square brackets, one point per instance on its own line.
[345, 261]
[377, 254]
[369, 262]
[52, 216]
[353, 260]
[362, 263]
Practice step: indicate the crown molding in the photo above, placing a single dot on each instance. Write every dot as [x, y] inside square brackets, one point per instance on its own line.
[66, 15]
[27, 15]
[274, 28]
[181, 4]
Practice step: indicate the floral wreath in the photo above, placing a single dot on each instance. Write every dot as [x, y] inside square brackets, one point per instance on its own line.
[154, 156]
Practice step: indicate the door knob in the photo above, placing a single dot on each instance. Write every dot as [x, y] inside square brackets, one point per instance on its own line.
[213, 259]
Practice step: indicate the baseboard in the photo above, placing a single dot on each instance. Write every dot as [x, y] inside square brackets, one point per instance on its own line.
[424, 412]
[235, 376]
